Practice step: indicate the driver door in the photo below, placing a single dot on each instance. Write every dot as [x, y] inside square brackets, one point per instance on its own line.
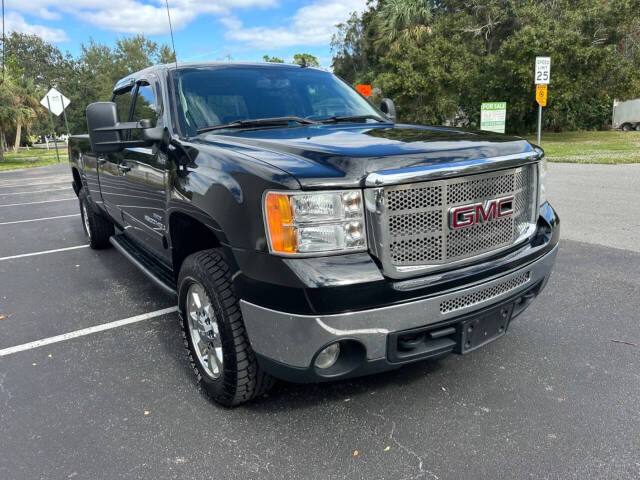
[143, 177]
[110, 164]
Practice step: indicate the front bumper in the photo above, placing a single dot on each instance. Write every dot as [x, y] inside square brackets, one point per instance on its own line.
[287, 343]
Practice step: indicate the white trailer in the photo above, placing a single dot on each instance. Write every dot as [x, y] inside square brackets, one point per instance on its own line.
[626, 115]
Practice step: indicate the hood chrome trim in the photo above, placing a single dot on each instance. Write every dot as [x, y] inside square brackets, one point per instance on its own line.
[438, 171]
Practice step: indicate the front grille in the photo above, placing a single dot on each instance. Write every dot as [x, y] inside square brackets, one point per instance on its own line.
[413, 226]
[475, 298]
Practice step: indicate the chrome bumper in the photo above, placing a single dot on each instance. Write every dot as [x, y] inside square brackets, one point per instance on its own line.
[293, 339]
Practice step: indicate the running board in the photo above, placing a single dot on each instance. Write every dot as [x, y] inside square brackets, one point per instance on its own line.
[161, 276]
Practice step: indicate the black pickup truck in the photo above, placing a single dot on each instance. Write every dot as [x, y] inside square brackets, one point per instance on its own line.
[306, 235]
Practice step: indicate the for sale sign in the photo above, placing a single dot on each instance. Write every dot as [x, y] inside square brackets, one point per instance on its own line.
[493, 116]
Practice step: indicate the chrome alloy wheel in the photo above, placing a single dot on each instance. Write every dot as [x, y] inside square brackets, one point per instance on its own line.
[203, 327]
[85, 220]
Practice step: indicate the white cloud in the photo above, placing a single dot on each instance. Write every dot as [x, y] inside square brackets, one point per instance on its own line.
[310, 25]
[134, 16]
[16, 23]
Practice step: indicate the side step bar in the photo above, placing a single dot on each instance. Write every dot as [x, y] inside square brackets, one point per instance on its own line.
[161, 276]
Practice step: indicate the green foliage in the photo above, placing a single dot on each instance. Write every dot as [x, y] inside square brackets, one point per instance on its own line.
[86, 79]
[269, 59]
[309, 59]
[440, 60]
[18, 108]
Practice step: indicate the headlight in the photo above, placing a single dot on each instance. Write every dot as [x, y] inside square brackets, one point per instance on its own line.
[542, 174]
[308, 223]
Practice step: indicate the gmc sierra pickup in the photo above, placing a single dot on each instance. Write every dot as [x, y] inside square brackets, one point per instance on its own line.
[306, 235]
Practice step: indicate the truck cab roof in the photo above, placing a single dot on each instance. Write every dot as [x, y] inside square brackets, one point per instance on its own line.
[129, 80]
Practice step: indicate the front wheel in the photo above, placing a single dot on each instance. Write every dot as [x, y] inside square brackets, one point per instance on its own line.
[626, 127]
[215, 336]
[97, 228]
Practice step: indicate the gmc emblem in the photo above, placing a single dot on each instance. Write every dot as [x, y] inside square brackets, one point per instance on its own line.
[468, 215]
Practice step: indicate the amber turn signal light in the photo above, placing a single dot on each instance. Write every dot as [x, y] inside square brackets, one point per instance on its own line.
[280, 222]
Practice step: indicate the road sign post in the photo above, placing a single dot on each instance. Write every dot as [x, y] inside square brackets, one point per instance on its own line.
[53, 129]
[542, 77]
[56, 103]
[66, 124]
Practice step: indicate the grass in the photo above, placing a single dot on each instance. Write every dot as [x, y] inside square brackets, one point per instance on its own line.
[610, 147]
[34, 157]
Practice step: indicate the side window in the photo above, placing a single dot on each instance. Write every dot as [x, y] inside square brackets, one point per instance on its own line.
[123, 104]
[145, 105]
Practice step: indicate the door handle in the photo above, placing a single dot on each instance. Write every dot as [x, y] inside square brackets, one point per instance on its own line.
[124, 168]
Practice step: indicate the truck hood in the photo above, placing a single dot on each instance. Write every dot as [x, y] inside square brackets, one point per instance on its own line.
[325, 156]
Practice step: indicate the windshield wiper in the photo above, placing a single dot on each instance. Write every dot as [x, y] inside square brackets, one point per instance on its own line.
[258, 122]
[353, 118]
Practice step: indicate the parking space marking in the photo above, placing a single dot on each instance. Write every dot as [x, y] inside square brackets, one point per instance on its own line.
[40, 219]
[44, 252]
[37, 191]
[33, 203]
[13, 185]
[86, 331]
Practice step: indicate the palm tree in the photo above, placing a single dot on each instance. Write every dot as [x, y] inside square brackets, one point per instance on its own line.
[403, 20]
[7, 112]
[18, 107]
[26, 107]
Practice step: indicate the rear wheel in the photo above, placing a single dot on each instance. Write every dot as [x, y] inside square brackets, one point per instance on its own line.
[214, 332]
[97, 228]
[638, 127]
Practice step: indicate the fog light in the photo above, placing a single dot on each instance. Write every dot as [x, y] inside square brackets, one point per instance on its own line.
[328, 356]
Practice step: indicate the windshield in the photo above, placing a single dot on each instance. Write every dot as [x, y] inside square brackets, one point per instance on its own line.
[221, 95]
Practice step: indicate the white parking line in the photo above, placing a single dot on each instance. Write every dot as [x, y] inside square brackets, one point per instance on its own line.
[33, 203]
[44, 252]
[37, 191]
[13, 185]
[86, 331]
[40, 219]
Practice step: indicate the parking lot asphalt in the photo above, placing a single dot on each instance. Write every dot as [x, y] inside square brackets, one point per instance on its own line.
[556, 398]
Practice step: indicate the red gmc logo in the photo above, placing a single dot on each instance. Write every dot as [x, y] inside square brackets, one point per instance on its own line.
[468, 215]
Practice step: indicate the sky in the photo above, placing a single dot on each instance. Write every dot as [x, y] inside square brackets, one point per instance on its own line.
[203, 29]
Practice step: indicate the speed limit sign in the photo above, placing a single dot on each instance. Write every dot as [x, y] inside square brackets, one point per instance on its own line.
[543, 70]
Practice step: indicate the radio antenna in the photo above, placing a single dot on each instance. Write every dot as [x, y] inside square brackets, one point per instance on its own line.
[173, 45]
[4, 43]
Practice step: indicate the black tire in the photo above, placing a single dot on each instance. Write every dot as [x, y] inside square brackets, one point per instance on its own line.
[240, 378]
[97, 228]
[626, 127]
[638, 127]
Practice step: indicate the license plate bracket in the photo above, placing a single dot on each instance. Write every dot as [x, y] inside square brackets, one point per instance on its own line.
[479, 330]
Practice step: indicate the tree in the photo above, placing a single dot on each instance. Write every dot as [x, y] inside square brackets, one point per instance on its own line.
[36, 59]
[439, 60]
[166, 55]
[309, 59]
[18, 107]
[269, 59]
[88, 78]
[406, 20]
